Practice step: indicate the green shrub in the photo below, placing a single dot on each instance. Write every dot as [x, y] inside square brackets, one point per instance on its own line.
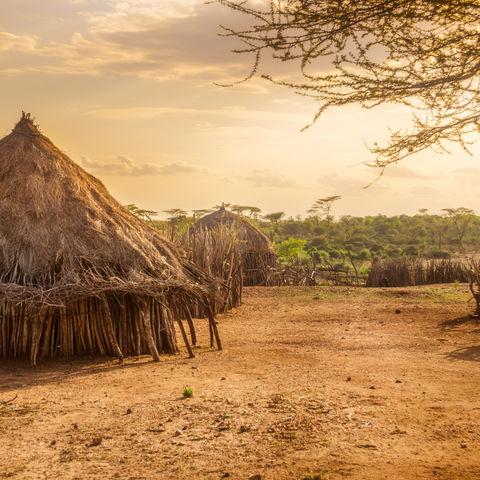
[364, 272]
[187, 392]
[437, 253]
[291, 250]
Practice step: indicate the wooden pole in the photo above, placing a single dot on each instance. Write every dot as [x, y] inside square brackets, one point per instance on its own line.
[185, 338]
[147, 325]
[110, 332]
[191, 326]
[213, 325]
[35, 340]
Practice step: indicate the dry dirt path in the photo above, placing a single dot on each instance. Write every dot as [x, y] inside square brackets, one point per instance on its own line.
[312, 381]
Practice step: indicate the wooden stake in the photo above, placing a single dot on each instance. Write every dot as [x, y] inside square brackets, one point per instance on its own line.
[34, 342]
[185, 338]
[213, 326]
[191, 326]
[110, 332]
[147, 325]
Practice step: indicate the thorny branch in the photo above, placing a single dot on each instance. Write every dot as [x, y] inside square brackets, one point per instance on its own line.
[424, 54]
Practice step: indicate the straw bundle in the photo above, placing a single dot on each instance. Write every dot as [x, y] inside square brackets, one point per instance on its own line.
[78, 272]
[217, 252]
[257, 252]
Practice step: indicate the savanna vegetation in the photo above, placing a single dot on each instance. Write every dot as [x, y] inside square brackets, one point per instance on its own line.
[453, 232]
[319, 240]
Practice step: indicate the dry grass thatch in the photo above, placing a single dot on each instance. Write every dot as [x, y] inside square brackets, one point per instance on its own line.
[78, 272]
[216, 252]
[257, 252]
[408, 272]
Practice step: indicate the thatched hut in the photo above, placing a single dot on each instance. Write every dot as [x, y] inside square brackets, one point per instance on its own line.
[79, 274]
[257, 253]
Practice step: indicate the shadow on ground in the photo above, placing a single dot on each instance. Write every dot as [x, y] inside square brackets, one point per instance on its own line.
[471, 354]
[456, 323]
[19, 374]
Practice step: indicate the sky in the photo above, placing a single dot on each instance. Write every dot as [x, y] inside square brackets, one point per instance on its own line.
[129, 90]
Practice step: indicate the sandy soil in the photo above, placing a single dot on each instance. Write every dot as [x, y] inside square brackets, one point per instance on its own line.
[325, 381]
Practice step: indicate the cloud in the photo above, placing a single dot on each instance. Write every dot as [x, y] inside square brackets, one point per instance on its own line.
[468, 175]
[174, 168]
[11, 42]
[365, 183]
[424, 191]
[237, 113]
[401, 171]
[125, 166]
[269, 178]
[158, 39]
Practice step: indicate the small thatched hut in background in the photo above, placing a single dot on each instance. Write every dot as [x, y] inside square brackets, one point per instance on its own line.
[257, 253]
[78, 272]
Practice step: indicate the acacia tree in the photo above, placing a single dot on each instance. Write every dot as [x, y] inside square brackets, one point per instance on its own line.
[240, 209]
[177, 215]
[424, 54]
[227, 206]
[200, 212]
[254, 212]
[324, 206]
[274, 218]
[461, 218]
[142, 213]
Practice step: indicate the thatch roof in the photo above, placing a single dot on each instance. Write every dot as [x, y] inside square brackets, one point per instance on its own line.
[64, 238]
[251, 238]
[60, 229]
[257, 253]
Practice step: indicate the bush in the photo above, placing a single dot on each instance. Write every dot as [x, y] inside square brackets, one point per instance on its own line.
[438, 253]
[410, 251]
[364, 272]
[393, 252]
[364, 254]
[291, 250]
[318, 242]
[377, 249]
[321, 255]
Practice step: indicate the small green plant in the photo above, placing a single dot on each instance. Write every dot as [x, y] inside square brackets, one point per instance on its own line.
[187, 392]
[456, 283]
[315, 476]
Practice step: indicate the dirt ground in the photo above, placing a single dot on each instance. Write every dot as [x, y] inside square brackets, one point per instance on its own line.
[332, 382]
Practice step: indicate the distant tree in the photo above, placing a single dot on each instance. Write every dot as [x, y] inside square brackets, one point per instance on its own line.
[240, 209]
[461, 218]
[440, 227]
[176, 216]
[347, 221]
[224, 205]
[175, 213]
[254, 212]
[423, 54]
[199, 213]
[324, 206]
[274, 218]
[142, 213]
[314, 215]
[415, 232]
